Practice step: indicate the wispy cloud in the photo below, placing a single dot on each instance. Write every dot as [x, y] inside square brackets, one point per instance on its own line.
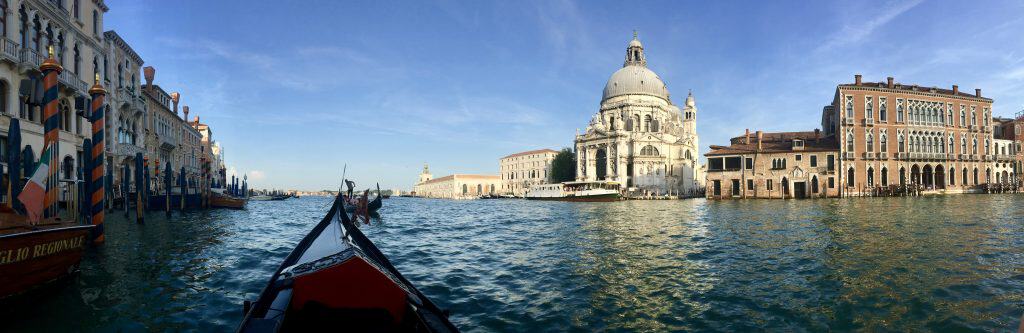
[857, 30]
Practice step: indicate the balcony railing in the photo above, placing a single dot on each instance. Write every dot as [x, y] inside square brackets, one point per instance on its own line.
[902, 156]
[883, 155]
[10, 51]
[71, 80]
[869, 122]
[31, 58]
[848, 121]
[869, 155]
[848, 155]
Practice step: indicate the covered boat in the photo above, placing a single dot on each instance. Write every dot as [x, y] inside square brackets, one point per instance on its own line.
[223, 200]
[31, 255]
[336, 279]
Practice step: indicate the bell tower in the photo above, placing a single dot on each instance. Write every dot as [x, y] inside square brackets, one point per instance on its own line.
[425, 175]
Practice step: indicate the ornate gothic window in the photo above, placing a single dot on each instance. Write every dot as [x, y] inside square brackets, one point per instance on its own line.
[869, 142]
[849, 142]
[849, 107]
[899, 143]
[882, 142]
[882, 109]
[869, 108]
[963, 148]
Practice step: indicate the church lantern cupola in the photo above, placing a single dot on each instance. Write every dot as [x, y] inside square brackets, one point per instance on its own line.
[635, 53]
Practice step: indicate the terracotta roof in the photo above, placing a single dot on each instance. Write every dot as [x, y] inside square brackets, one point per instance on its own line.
[910, 88]
[531, 152]
[774, 136]
[461, 176]
[777, 142]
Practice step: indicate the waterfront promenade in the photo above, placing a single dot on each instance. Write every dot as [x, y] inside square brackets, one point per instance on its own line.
[941, 263]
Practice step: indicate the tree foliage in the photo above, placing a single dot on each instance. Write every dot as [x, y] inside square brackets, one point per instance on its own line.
[563, 167]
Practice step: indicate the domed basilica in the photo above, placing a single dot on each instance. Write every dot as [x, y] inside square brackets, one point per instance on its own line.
[639, 137]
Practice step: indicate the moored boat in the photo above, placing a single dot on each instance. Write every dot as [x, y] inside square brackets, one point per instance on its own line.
[221, 200]
[261, 198]
[31, 256]
[583, 191]
[336, 278]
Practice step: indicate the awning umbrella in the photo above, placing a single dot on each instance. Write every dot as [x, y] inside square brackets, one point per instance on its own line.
[124, 188]
[140, 187]
[85, 174]
[145, 177]
[167, 188]
[28, 162]
[13, 161]
[181, 183]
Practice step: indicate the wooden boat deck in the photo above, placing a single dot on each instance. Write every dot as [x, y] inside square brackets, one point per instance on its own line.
[11, 223]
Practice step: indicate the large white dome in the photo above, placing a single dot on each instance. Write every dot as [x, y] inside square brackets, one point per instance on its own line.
[635, 80]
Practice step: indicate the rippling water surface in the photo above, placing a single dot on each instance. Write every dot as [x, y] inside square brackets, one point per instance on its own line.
[948, 263]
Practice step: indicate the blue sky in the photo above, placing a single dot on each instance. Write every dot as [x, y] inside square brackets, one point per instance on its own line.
[294, 90]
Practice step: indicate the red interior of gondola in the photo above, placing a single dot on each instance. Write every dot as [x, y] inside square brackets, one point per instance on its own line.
[347, 294]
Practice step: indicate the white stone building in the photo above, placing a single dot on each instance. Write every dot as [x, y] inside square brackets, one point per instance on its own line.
[519, 171]
[639, 137]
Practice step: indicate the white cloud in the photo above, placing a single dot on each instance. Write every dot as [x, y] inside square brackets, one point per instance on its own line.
[857, 30]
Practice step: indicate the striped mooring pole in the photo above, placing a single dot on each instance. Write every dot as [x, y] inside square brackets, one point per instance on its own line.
[51, 127]
[97, 170]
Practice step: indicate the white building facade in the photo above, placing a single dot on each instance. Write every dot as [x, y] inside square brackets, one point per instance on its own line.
[519, 171]
[639, 137]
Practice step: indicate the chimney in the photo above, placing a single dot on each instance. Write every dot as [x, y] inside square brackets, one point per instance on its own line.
[856, 79]
[977, 92]
[956, 90]
[760, 136]
[185, 110]
[149, 72]
[746, 139]
[817, 133]
[889, 83]
[175, 97]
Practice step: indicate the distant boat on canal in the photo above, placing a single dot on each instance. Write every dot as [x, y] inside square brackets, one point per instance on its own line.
[583, 191]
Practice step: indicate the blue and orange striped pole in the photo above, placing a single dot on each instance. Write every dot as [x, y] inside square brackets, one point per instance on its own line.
[98, 190]
[51, 127]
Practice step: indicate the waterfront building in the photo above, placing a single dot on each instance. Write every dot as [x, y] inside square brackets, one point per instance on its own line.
[891, 133]
[774, 165]
[521, 170]
[126, 114]
[1007, 150]
[639, 137]
[458, 186]
[29, 28]
[169, 137]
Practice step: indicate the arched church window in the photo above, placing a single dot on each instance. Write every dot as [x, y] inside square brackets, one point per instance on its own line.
[882, 142]
[654, 126]
[899, 143]
[647, 123]
[629, 125]
[849, 142]
[649, 151]
[688, 155]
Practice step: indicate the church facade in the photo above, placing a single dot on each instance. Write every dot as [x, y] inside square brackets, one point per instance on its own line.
[639, 138]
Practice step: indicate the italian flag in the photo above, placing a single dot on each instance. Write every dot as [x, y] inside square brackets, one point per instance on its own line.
[35, 189]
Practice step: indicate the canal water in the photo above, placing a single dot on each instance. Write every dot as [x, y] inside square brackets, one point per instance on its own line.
[946, 263]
